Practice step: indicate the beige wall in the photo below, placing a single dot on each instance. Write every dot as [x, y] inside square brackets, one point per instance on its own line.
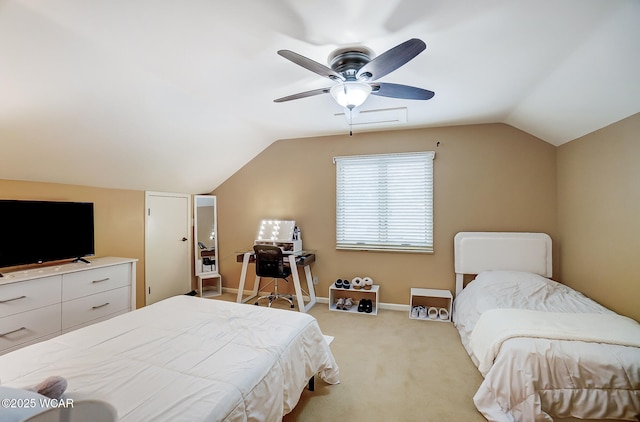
[599, 215]
[119, 217]
[486, 178]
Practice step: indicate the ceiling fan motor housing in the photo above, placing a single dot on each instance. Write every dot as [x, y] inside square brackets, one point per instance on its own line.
[347, 61]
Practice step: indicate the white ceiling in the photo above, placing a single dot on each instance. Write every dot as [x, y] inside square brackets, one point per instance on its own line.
[176, 95]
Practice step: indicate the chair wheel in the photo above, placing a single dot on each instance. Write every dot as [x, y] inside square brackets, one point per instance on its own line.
[292, 306]
[257, 304]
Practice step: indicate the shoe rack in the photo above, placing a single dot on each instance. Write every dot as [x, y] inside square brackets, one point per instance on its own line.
[336, 293]
[431, 298]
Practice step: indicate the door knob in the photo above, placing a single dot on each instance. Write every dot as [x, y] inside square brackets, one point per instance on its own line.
[184, 239]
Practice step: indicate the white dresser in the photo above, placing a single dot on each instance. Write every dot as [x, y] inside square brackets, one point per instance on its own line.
[42, 303]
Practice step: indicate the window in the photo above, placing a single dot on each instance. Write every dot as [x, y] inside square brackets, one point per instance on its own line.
[385, 202]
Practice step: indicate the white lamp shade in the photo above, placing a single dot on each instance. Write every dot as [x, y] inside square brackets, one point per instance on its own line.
[351, 94]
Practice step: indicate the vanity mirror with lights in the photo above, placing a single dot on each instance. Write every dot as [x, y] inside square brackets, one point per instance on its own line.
[205, 230]
[282, 233]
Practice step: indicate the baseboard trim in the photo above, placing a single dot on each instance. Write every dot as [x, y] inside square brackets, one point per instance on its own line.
[325, 300]
[395, 307]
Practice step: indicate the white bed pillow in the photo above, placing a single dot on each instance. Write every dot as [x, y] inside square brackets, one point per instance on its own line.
[18, 404]
[511, 277]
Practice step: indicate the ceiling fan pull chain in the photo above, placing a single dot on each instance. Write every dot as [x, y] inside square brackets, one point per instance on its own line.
[350, 121]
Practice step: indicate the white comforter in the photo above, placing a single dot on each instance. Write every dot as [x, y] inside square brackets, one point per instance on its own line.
[533, 378]
[185, 359]
[499, 325]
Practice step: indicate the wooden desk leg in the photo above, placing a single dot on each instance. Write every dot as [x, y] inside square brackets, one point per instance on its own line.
[312, 290]
[243, 276]
[296, 283]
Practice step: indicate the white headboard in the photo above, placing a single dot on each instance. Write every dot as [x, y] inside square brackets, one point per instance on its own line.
[482, 251]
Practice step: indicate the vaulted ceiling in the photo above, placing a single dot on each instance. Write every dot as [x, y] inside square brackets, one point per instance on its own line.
[176, 95]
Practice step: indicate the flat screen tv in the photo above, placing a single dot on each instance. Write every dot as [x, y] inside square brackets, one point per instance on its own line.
[34, 232]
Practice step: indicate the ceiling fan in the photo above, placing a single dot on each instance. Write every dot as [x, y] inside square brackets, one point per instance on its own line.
[356, 73]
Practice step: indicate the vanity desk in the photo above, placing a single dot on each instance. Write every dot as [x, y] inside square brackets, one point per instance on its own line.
[304, 259]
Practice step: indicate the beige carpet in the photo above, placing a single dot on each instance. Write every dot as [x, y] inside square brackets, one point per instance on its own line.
[392, 368]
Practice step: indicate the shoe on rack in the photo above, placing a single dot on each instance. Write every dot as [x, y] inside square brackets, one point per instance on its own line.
[339, 283]
[422, 312]
[367, 283]
[415, 311]
[340, 303]
[356, 283]
[361, 305]
[348, 303]
[443, 314]
[433, 313]
[368, 307]
[346, 284]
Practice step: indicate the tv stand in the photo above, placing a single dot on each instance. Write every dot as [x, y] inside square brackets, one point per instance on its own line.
[80, 259]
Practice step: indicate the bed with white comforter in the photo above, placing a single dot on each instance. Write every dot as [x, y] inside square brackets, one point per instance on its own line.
[545, 350]
[185, 359]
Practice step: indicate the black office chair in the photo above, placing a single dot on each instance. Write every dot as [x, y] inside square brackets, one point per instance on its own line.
[270, 263]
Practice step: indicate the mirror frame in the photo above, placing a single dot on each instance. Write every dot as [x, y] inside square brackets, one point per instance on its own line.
[199, 268]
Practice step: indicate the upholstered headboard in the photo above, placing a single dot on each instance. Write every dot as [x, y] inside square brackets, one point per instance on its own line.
[482, 251]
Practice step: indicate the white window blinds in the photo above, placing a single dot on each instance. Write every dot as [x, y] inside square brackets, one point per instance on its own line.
[385, 202]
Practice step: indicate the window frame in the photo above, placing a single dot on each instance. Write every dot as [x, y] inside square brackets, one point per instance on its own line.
[393, 185]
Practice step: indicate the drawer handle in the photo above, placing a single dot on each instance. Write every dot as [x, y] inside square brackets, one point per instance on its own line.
[101, 280]
[11, 300]
[14, 331]
[100, 306]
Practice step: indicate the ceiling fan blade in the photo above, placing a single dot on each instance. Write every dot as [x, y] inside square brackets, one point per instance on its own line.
[400, 91]
[390, 60]
[311, 65]
[303, 95]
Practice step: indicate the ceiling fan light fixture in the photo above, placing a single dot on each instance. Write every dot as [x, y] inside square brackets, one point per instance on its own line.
[351, 94]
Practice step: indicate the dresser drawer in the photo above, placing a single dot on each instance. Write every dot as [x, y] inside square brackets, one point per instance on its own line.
[88, 282]
[88, 308]
[27, 295]
[27, 326]
[94, 321]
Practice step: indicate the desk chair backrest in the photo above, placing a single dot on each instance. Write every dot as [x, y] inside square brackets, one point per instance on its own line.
[270, 262]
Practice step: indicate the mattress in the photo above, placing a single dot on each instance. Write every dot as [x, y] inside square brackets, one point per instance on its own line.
[184, 359]
[535, 379]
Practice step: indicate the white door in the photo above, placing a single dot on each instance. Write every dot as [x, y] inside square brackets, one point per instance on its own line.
[167, 245]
